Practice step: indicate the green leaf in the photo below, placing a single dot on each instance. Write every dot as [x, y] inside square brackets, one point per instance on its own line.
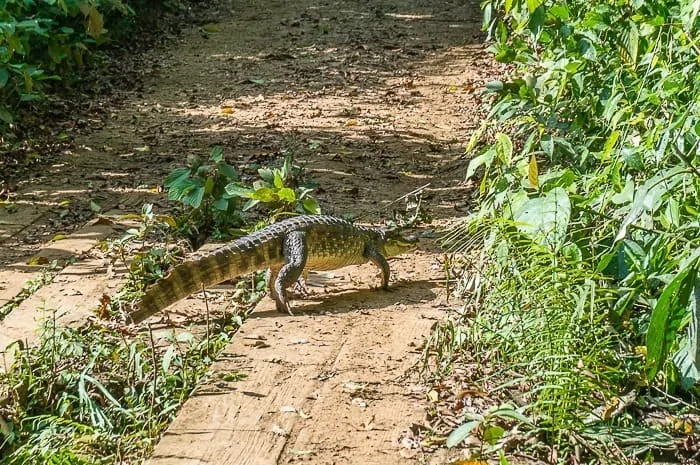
[176, 176]
[217, 154]
[485, 158]
[250, 204]
[267, 175]
[687, 359]
[546, 218]
[610, 143]
[493, 433]
[265, 194]
[278, 181]
[168, 357]
[287, 194]
[194, 197]
[228, 171]
[5, 115]
[630, 42]
[221, 205]
[461, 433]
[532, 5]
[311, 206]
[649, 196]
[4, 77]
[508, 5]
[234, 190]
[504, 148]
[547, 144]
[666, 318]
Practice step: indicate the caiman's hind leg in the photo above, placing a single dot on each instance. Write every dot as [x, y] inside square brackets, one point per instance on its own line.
[294, 252]
[270, 278]
[379, 260]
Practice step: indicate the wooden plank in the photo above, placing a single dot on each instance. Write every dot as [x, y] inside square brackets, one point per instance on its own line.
[73, 294]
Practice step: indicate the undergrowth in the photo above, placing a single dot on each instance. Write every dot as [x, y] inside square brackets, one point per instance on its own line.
[103, 393]
[580, 264]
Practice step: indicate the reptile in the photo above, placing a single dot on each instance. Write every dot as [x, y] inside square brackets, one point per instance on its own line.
[286, 248]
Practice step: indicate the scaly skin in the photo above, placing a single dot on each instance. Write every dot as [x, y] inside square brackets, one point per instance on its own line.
[286, 248]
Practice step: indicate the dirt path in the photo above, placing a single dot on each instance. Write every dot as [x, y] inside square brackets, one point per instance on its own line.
[376, 98]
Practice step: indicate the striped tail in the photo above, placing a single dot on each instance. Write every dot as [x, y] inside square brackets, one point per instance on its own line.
[191, 276]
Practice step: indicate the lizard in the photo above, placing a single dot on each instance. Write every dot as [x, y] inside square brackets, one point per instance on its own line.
[287, 249]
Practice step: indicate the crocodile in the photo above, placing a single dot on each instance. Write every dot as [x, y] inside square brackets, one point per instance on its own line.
[287, 249]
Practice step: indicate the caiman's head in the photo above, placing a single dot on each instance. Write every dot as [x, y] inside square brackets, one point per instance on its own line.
[395, 243]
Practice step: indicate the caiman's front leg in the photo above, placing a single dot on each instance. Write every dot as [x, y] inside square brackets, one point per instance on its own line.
[379, 260]
[294, 251]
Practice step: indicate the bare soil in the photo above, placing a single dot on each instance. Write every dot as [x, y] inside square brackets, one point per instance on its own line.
[376, 99]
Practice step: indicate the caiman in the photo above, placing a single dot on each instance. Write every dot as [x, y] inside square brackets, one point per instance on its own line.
[286, 249]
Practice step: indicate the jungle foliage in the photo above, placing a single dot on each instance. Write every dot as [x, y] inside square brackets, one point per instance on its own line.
[55, 40]
[586, 235]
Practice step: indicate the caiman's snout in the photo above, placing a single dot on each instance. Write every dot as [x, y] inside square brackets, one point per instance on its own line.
[397, 244]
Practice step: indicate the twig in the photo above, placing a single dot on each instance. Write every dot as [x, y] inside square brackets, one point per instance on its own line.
[206, 306]
[155, 370]
[413, 192]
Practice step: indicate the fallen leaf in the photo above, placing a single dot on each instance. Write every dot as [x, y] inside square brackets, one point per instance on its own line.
[211, 28]
[350, 122]
[59, 237]
[278, 430]
[433, 396]
[34, 261]
[227, 110]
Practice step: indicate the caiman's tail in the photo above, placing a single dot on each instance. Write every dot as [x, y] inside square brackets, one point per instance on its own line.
[228, 262]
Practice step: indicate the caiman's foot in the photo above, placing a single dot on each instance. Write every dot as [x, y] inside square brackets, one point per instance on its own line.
[284, 307]
[300, 288]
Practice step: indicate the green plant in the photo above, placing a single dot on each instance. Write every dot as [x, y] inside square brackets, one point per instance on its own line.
[277, 190]
[212, 195]
[46, 40]
[587, 280]
[201, 189]
[92, 396]
[146, 251]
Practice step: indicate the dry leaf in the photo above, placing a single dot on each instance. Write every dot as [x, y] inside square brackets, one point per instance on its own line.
[533, 172]
[34, 261]
[278, 430]
[433, 396]
[350, 122]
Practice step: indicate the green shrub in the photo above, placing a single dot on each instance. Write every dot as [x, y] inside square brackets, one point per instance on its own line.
[590, 189]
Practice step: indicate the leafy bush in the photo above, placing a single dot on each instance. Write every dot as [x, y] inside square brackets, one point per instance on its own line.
[55, 40]
[212, 194]
[589, 202]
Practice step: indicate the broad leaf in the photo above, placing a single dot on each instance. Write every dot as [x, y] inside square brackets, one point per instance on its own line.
[546, 218]
[461, 433]
[687, 359]
[666, 318]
